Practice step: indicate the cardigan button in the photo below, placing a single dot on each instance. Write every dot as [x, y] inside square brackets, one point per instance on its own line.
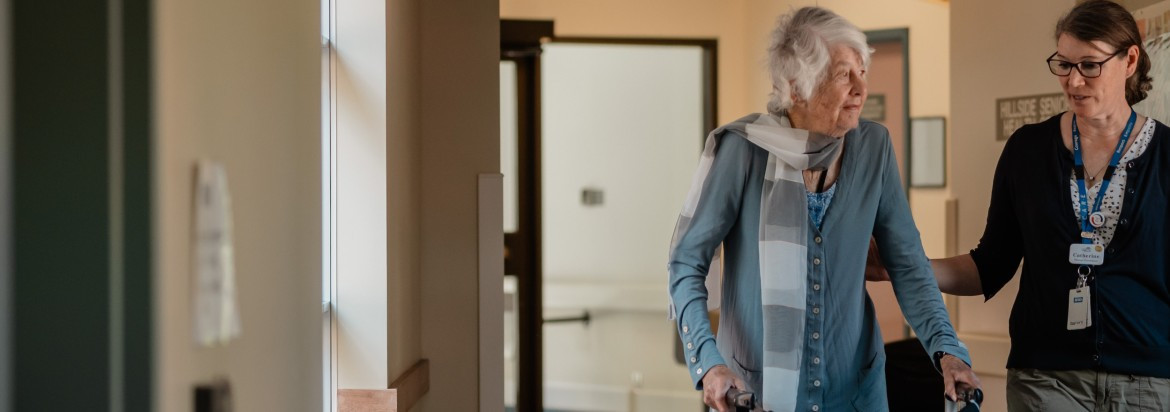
[1124, 221]
[1110, 251]
[1129, 165]
[1096, 358]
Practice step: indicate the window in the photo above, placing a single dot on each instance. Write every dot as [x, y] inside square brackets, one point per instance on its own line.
[328, 217]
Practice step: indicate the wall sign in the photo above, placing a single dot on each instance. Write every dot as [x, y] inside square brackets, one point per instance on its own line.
[1013, 112]
[874, 108]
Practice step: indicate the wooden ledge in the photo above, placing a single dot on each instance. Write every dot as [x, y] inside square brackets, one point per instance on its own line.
[404, 392]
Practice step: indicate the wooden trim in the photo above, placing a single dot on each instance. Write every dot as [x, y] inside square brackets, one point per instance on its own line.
[656, 41]
[403, 394]
[951, 220]
[367, 400]
[523, 37]
[413, 384]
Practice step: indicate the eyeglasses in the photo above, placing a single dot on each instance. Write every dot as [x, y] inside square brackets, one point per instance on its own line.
[1087, 68]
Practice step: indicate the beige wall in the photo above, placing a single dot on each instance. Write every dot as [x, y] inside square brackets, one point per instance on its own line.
[238, 82]
[243, 88]
[404, 281]
[986, 65]
[742, 29]
[928, 24]
[459, 126]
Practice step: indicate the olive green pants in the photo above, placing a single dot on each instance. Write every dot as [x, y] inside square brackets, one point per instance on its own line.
[1031, 390]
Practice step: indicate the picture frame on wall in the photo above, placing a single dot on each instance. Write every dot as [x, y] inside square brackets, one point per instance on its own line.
[928, 154]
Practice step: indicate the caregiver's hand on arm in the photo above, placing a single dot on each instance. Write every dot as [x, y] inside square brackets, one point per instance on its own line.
[957, 275]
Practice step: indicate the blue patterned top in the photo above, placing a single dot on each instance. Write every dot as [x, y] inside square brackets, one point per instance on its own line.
[818, 203]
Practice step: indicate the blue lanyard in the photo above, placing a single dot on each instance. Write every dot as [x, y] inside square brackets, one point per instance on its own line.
[1079, 164]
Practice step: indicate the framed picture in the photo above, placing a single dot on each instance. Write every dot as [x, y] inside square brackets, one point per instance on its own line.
[928, 152]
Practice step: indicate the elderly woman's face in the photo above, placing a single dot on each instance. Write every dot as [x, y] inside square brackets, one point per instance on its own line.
[1101, 95]
[835, 106]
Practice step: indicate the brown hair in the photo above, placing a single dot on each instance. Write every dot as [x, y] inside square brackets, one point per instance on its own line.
[1106, 21]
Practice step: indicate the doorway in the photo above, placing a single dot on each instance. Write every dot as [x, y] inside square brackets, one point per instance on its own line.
[889, 104]
[614, 124]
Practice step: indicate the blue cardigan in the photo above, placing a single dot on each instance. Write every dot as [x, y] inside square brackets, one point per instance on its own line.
[844, 360]
[1031, 217]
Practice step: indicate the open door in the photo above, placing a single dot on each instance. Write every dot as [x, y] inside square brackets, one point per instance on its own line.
[889, 104]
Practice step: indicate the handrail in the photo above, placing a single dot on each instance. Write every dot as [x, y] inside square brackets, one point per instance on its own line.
[403, 394]
[583, 318]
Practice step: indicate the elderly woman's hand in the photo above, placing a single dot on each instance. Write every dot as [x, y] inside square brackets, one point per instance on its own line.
[715, 385]
[957, 377]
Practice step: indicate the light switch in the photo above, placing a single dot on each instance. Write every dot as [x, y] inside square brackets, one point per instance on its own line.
[592, 196]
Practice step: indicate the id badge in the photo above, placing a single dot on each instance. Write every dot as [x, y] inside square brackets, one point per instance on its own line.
[1079, 316]
[1082, 254]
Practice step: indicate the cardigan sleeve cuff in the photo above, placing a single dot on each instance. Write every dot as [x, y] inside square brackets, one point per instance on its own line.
[700, 360]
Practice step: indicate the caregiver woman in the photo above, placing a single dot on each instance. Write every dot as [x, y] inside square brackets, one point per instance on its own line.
[1082, 199]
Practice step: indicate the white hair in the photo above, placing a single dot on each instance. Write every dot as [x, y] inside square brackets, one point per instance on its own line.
[800, 52]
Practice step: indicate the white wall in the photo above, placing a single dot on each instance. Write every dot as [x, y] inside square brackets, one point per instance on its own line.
[626, 120]
[239, 82]
[509, 145]
[361, 179]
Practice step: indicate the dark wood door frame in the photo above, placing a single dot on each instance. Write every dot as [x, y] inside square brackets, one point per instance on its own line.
[520, 42]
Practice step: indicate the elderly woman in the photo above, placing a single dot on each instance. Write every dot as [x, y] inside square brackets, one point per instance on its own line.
[793, 197]
[1082, 199]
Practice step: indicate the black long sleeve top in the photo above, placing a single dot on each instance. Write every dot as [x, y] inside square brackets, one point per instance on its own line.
[1031, 218]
